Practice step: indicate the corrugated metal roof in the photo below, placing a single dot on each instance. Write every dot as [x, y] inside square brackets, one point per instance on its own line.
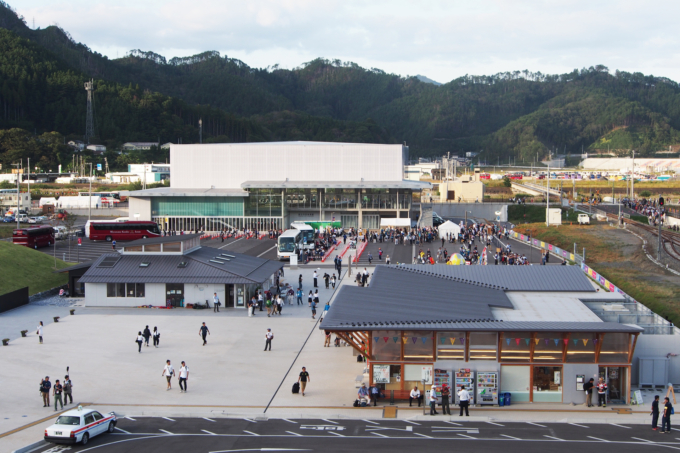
[161, 240]
[82, 265]
[513, 278]
[164, 269]
[179, 192]
[404, 184]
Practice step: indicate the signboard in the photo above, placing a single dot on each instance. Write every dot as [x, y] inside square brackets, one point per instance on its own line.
[381, 374]
[638, 397]
[426, 374]
[99, 167]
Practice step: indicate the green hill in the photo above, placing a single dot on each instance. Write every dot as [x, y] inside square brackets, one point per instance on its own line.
[27, 267]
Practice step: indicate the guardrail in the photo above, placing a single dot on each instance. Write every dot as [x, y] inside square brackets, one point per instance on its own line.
[360, 249]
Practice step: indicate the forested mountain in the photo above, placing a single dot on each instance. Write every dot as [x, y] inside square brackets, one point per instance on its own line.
[143, 96]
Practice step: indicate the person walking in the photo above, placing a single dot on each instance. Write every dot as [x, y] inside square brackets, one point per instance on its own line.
[588, 389]
[601, 393]
[327, 341]
[655, 413]
[299, 295]
[113, 245]
[303, 379]
[68, 390]
[183, 377]
[313, 306]
[370, 258]
[269, 308]
[333, 280]
[268, 337]
[464, 398]
[446, 393]
[140, 341]
[387, 260]
[316, 276]
[326, 307]
[204, 332]
[666, 416]
[310, 296]
[414, 395]
[326, 279]
[56, 392]
[168, 372]
[39, 332]
[300, 282]
[216, 303]
[156, 337]
[45, 387]
[146, 334]
[433, 400]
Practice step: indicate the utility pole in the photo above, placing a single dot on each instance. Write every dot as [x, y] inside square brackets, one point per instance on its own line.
[30, 202]
[16, 214]
[200, 129]
[547, 200]
[632, 179]
[89, 197]
[658, 249]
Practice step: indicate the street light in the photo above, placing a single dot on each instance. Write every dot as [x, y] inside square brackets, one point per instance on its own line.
[466, 213]
[16, 214]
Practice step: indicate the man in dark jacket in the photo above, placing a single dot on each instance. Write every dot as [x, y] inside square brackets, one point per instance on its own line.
[666, 416]
[588, 389]
[655, 412]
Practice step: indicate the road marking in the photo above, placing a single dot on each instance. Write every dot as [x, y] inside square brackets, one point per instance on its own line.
[168, 419]
[620, 426]
[206, 418]
[337, 434]
[452, 423]
[295, 434]
[249, 420]
[329, 421]
[556, 438]
[368, 421]
[130, 418]
[465, 435]
[597, 438]
[267, 251]
[289, 421]
[497, 424]
[536, 424]
[220, 248]
[122, 430]
[644, 440]
[166, 432]
[576, 424]
[409, 421]
[510, 437]
[378, 434]
[206, 431]
[422, 435]
[251, 433]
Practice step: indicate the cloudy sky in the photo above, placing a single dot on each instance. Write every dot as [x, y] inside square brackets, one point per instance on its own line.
[439, 39]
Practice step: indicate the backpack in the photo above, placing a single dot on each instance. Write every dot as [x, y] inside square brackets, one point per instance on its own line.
[356, 403]
[363, 404]
[269, 303]
[67, 387]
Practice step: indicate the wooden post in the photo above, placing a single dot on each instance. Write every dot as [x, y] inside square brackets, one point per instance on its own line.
[434, 346]
[631, 348]
[467, 346]
[401, 344]
[565, 347]
[500, 345]
[532, 347]
[598, 347]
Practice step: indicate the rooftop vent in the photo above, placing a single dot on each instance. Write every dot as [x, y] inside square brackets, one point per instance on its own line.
[144, 264]
[183, 264]
[109, 261]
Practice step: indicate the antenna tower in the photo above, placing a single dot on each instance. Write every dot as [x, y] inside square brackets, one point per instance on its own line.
[89, 123]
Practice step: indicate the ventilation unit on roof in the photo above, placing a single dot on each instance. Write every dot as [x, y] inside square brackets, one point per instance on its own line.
[144, 264]
[217, 262]
[228, 256]
[109, 261]
[183, 264]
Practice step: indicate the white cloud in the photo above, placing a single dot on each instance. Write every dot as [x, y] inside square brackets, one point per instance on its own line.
[440, 39]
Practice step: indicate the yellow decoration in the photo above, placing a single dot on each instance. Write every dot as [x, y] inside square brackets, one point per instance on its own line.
[537, 340]
[585, 342]
[453, 340]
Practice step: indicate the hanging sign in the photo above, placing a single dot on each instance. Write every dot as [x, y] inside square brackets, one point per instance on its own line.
[381, 374]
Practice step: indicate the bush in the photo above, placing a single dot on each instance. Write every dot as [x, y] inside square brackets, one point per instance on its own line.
[507, 182]
[645, 193]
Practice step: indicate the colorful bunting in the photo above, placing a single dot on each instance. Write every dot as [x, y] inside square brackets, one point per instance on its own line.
[537, 340]
[527, 341]
[566, 341]
[443, 340]
[517, 341]
[424, 340]
[557, 340]
[576, 341]
[414, 339]
[462, 340]
[546, 342]
[585, 342]
[386, 338]
[395, 339]
[595, 340]
[405, 340]
[376, 339]
[453, 340]
[507, 340]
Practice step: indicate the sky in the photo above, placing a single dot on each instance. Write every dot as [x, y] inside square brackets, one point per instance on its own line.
[442, 40]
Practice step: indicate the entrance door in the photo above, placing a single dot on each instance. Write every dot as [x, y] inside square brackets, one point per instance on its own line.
[616, 378]
[174, 294]
[229, 296]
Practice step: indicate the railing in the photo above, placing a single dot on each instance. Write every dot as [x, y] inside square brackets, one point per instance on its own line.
[360, 249]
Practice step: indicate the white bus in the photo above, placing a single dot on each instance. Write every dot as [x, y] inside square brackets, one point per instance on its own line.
[308, 233]
[289, 243]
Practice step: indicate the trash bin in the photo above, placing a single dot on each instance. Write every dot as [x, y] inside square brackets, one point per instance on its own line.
[501, 399]
[508, 399]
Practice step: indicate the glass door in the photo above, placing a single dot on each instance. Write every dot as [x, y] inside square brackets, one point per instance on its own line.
[174, 294]
[616, 378]
[547, 384]
[229, 296]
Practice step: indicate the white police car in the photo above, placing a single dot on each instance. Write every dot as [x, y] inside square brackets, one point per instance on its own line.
[79, 425]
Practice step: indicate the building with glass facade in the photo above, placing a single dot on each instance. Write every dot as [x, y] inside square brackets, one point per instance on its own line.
[270, 185]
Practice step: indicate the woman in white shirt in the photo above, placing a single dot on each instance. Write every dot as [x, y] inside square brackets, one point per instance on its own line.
[168, 372]
[140, 340]
[39, 332]
[156, 337]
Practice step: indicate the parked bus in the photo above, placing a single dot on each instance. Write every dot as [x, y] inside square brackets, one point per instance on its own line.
[110, 198]
[308, 234]
[289, 243]
[121, 231]
[34, 237]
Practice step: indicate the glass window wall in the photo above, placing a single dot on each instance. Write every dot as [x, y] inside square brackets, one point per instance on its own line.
[451, 346]
[483, 345]
[172, 247]
[581, 348]
[197, 206]
[340, 199]
[615, 348]
[515, 347]
[547, 384]
[418, 346]
[262, 202]
[386, 345]
[516, 380]
[302, 198]
[548, 347]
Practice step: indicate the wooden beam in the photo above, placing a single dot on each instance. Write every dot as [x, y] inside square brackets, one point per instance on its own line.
[500, 345]
[631, 348]
[401, 345]
[346, 338]
[467, 346]
[565, 347]
[598, 347]
[532, 346]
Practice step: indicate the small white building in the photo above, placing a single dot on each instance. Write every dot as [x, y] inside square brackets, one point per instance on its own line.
[97, 149]
[138, 146]
[77, 145]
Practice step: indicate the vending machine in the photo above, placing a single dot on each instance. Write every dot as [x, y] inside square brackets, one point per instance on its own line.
[442, 377]
[487, 387]
[465, 378]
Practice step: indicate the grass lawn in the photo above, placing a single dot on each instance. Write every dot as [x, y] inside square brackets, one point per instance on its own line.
[6, 230]
[22, 266]
[618, 256]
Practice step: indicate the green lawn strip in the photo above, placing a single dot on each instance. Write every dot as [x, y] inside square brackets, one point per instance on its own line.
[23, 266]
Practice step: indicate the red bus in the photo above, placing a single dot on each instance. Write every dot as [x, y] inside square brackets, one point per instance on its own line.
[34, 237]
[121, 231]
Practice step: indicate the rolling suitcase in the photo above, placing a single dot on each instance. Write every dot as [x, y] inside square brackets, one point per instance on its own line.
[296, 387]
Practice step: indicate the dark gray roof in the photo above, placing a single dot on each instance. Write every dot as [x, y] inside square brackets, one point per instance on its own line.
[83, 265]
[160, 240]
[403, 184]
[164, 268]
[514, 278]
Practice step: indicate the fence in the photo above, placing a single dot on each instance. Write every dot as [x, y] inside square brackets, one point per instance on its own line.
[14, 299]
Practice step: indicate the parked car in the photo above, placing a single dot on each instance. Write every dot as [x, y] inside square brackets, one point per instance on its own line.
[60, 232]
[23, 218]
[79, 425]
[9, 219]
[34, 220]
[583, 219]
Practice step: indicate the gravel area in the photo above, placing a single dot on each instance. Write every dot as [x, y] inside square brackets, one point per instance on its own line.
[55, 301]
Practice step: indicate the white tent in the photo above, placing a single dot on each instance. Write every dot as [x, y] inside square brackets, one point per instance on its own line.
[403, 222]
[448, 227]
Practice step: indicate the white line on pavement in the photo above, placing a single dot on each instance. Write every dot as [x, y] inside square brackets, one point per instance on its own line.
[452, 423]
[497, 424]
[465, 435]
[368, 421]
[510, 437]
[536, 424]
[206, 431]
[409, 421]
[556, 438]
[130, 418]
[168, 419]
[295, 434]
[423, 435]
[249, 420]
[644, 440]
[122, 430]
[289, 421]
[329, 421]
[378, 434]
[229, 244]
[166, 432]
[620, 426]
[265, 252]
[597, 438]
[336, 434]
[576, 424]
[251, 433]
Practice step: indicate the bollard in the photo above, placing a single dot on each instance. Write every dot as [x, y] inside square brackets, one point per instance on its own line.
[24, 332]
[73, 311]
[56, 319]
[5, 342]
[391, 397]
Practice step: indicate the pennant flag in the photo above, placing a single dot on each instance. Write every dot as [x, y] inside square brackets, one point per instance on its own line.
[576, 341]
[546, 341]
[585, 342]
[405, 340]
[395, 339]
[527, 341]
[424, 340]
[557, 340]
[443, 340]
[537, 340]
[386, 338]
[414, 339]
[376, 339]
[507, 340]
[566, 341]
[595, 340]
[462, 340]
[453, 340]
[517, 341]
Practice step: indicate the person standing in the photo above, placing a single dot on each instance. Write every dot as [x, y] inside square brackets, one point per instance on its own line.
[310, 296]
[45, 387]
[326, 279]
[316, 276]
[268, 337]
[168, 372]
[375, 394]
[601, 393]
[387, 260]
[269, 308]
[327, 341]
[666, 416]
[333, 280]
[156, 337]
[113, 245]
[588, 389]
[370, 258]
[433, 400]
[68, 389]
[204, 332]
[464, 397]
[303, 379]
[216, 303]
[146, 334]
[140, 341]
[313, 310]
[655, 413]
[299, 295]
[39, 332]
[300, 282]
[56, 392]
[414, 395]
[183, 376]
[446, 393]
